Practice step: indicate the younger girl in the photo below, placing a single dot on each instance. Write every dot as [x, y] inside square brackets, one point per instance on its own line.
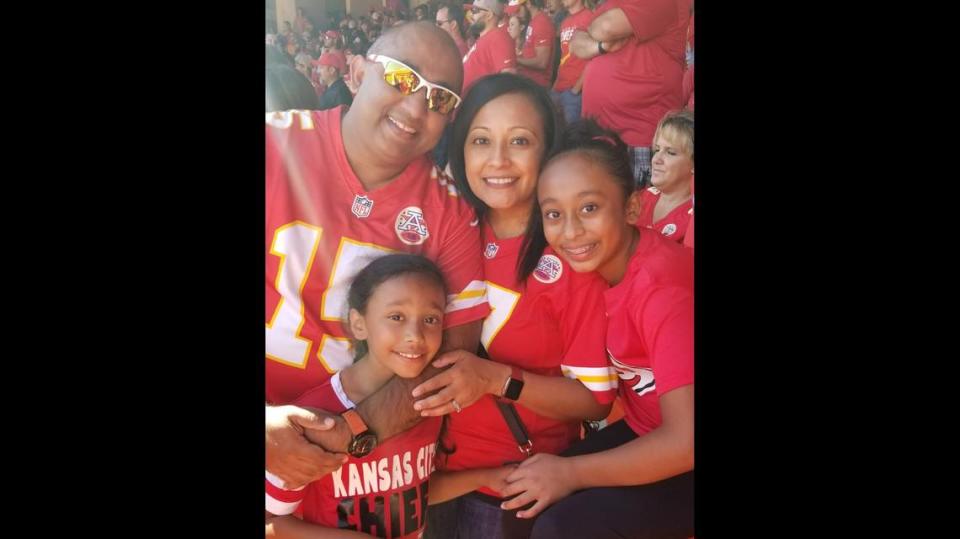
[396, 315]
[643, 463]
[667, 206]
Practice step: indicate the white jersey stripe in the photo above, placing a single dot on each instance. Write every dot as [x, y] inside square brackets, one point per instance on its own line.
[607, 371]
[337, 386]
[599, 386]
[594, 378]
[277, 482]
[280, 508]
[475, 293]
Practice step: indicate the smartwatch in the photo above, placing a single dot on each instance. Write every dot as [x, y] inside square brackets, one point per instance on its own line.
[364, 440]
[513, 385]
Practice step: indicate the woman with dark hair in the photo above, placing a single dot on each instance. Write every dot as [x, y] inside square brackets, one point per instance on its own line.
[547, 370]
[288, 89]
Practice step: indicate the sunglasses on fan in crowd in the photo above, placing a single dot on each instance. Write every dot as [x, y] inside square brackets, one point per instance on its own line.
[408, 81]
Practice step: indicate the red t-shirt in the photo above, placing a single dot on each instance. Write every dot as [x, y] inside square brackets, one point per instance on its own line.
[552, 324]
[322, 227]
[492, 53]
[383, 494]
[570, 64]
[631, 89]
[540, 33]
[672, 225]
[650, 328]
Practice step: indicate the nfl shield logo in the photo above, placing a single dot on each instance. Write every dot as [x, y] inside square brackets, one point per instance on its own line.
[361, 206]
[491, 250]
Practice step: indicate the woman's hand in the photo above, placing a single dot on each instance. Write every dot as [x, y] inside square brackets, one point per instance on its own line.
[468, 378]
[542, 477]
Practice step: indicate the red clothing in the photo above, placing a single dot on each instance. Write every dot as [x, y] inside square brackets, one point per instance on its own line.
[382, 494]
[540, 33]
[492, 53]
[650, 328]
[631, 89]
[552, 324]
[672, 225]
[571, 66]
[322, 227]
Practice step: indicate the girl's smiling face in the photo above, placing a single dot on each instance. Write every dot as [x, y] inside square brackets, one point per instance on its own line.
[585, 216]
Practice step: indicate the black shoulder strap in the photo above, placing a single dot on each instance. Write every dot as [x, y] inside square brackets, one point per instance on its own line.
[512, 418]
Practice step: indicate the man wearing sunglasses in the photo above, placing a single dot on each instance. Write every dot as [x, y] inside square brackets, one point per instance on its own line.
[494, 51]
[344, 186]
[450, 18]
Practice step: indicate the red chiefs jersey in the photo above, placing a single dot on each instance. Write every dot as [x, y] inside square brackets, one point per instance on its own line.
[672, 225]
[383, 494]
[650, 327]
[492, 53]
[553, 324]
[322, 227]
[571, 66]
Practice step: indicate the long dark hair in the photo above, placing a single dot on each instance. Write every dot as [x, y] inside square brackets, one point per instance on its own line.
[482, 92]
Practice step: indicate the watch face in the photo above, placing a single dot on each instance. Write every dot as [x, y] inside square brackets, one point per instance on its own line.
[513, 389]
[362, 444]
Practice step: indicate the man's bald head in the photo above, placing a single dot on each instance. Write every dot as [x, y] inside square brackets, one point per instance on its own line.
[425, 47]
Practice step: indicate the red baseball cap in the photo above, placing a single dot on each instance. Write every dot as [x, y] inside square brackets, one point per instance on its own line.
[332, 34]
[332, 59]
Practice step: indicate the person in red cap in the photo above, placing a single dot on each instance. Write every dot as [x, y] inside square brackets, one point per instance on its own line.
[332, 67]
[536, 62]
[494, 50]
[636, 53]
